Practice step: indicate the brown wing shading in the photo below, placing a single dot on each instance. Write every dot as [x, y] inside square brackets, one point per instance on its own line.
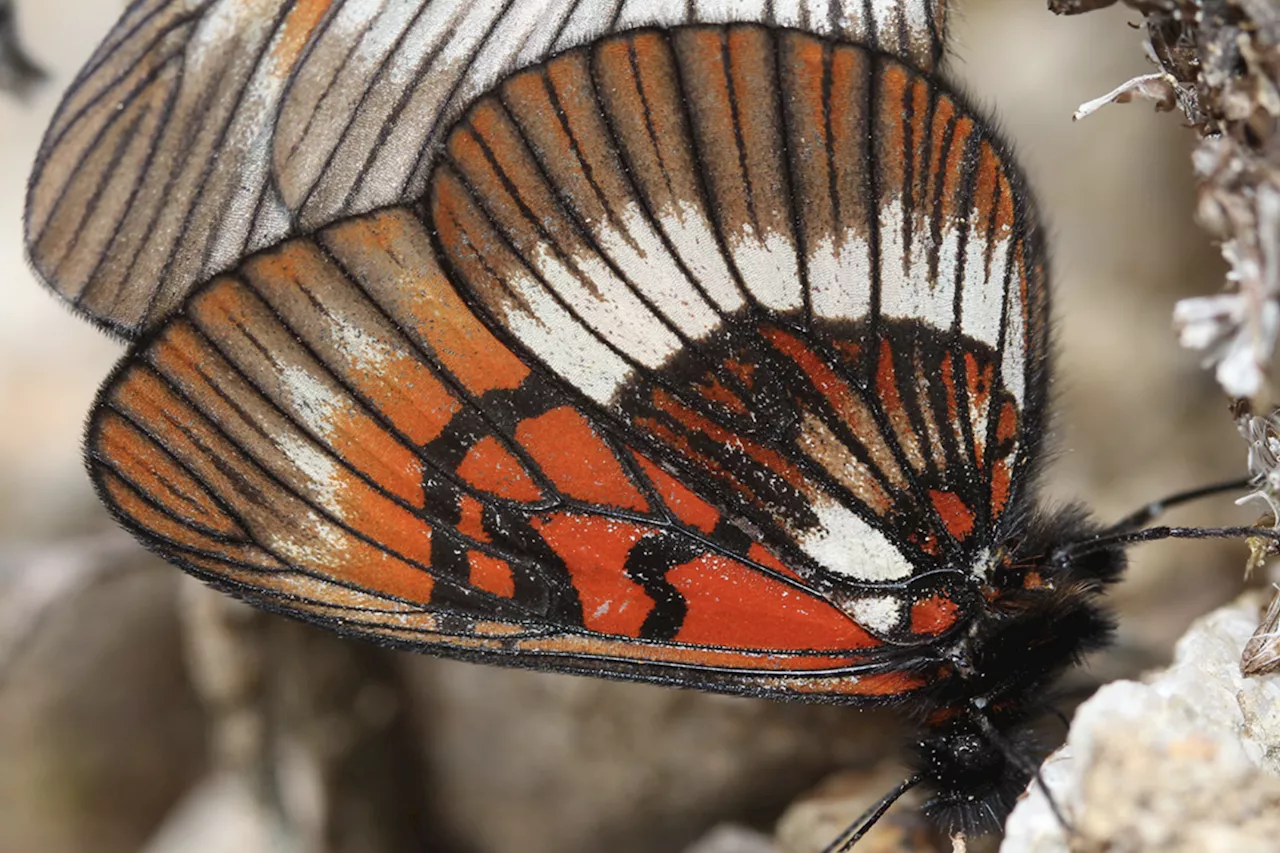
[800, 273]
[329, 431]
[202, 130]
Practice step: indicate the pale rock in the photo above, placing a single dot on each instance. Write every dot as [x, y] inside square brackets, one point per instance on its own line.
[1188, 760]
[223, 813]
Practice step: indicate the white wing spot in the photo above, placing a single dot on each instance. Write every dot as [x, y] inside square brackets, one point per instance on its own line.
[906, 290]
[840, 277]
[982, 301]
[562, 343]
[768, 266]
[316, 466]
[882, 613]
[845, 544]
[362, 348]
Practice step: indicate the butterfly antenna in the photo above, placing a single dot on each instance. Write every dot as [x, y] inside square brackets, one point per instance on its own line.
[1024, 764]
[853, 832]
[1155, 509]
[1120, 538]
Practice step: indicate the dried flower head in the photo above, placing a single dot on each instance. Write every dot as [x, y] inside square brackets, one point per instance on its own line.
[1237, 333]
[1263, 435]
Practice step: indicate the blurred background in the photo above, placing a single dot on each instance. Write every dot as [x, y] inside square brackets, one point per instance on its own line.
[120, 731]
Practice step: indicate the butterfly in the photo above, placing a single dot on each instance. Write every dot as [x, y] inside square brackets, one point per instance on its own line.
[700, 344]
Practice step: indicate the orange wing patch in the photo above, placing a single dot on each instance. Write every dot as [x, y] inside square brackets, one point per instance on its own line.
[933, 615]
[155, 473]
[732, 605]
[577, 460]
[895, 95]
[957, 517]
[490, 467]
[688, 507]
[491, 574]
[759, 554]
[298, 27]
[471, 519]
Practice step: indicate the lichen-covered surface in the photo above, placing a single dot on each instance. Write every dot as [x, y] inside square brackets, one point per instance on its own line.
[106, 745]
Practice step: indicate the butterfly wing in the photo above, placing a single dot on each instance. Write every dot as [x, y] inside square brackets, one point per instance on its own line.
[203, 130]
[609, 398]
[798, 273]
[330, 432]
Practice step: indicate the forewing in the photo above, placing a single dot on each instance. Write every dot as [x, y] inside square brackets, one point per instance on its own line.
[800, 273]
[329, 431]
[203, 130]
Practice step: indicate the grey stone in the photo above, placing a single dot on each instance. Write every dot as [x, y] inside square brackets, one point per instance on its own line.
[1186, 760]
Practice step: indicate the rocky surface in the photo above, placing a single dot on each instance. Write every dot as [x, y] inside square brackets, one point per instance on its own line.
[1188, 759]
